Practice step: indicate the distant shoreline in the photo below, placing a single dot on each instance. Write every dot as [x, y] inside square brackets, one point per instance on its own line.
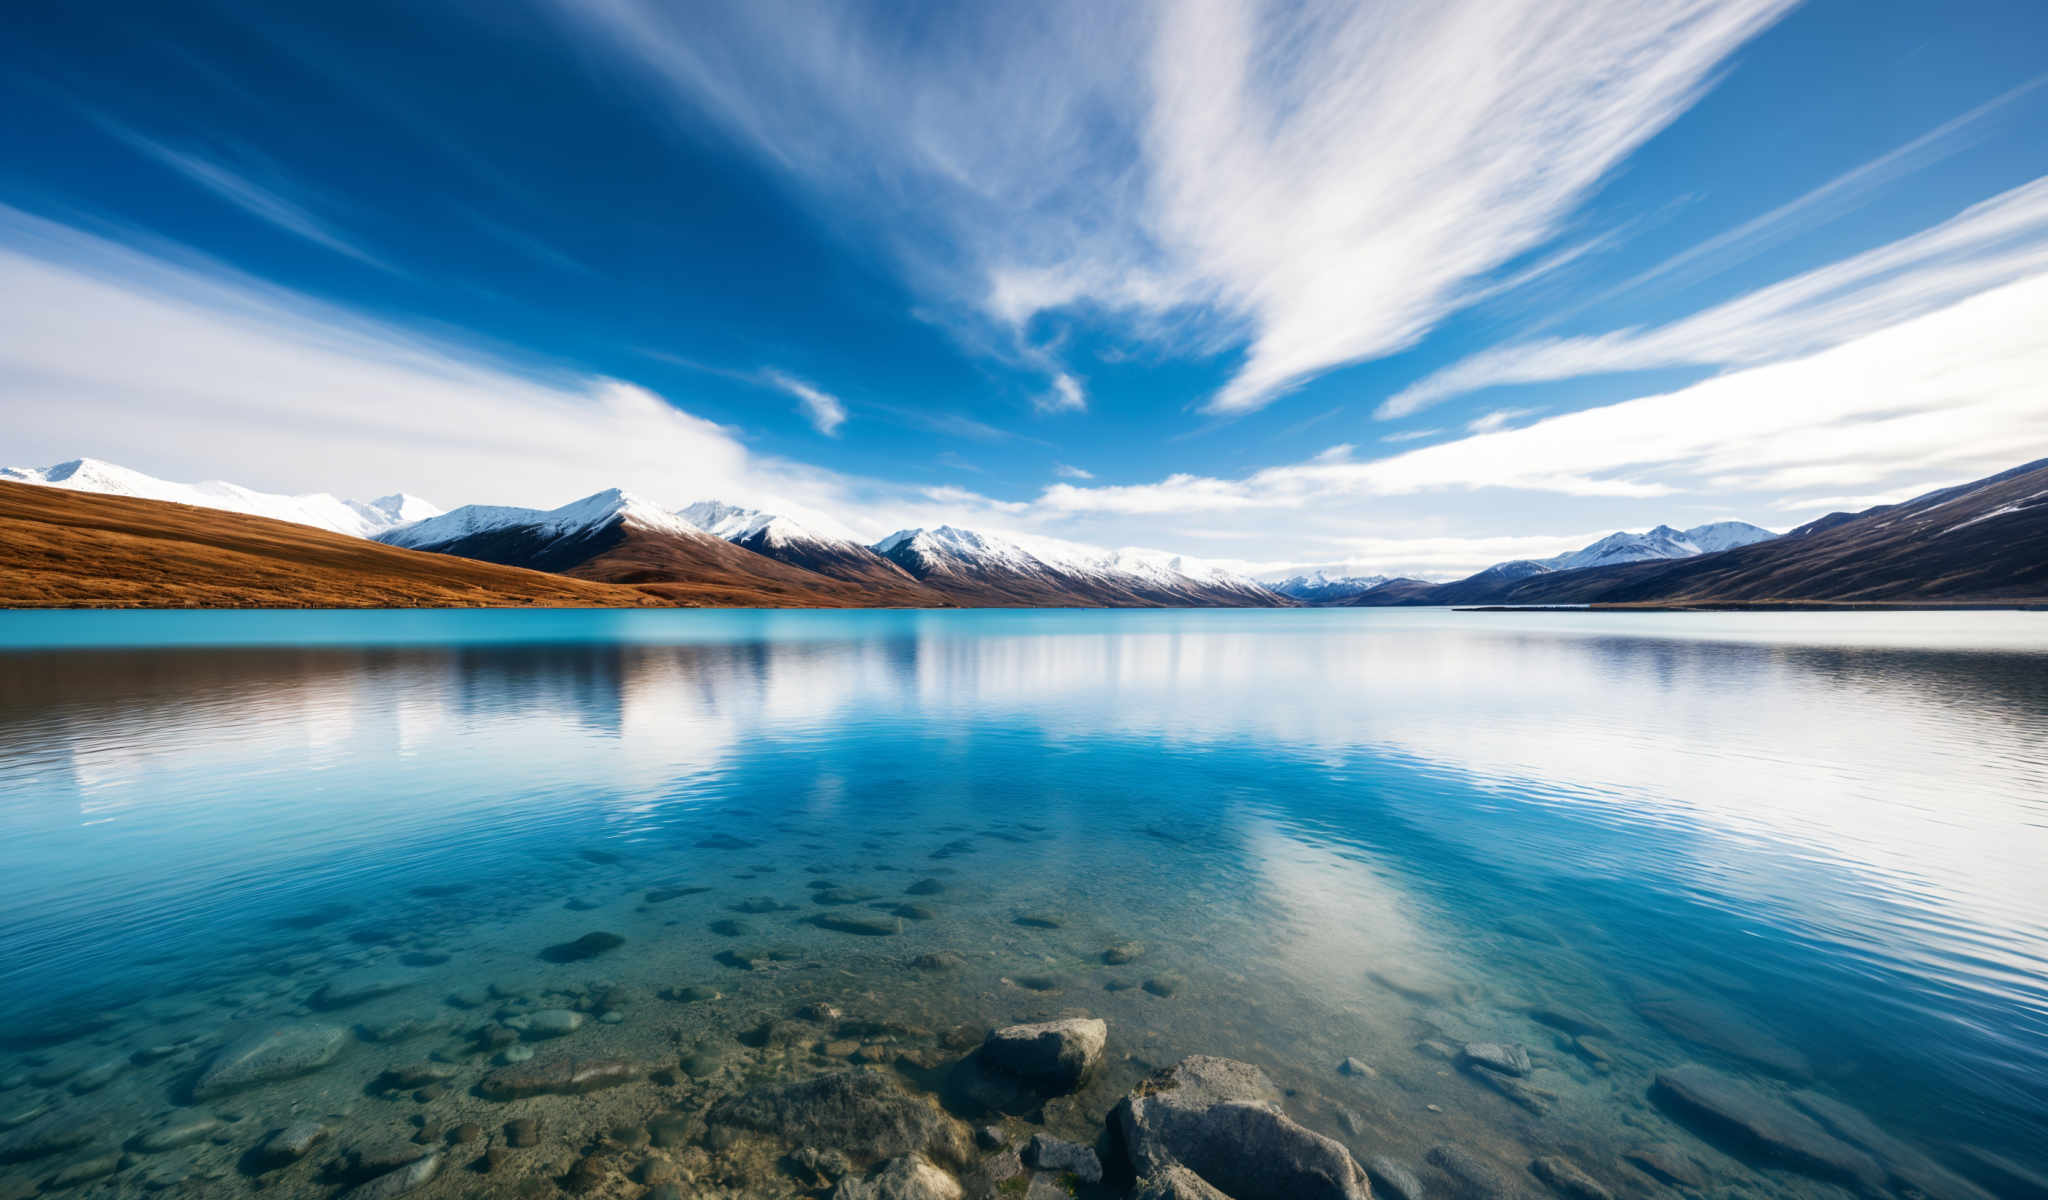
[1769, 606]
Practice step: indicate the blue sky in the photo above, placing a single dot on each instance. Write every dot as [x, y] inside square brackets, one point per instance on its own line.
[1411, 286]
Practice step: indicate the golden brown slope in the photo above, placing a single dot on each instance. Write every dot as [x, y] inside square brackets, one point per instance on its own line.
[63, 549]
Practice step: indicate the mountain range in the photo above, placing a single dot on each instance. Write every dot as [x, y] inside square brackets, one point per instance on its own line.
[1982, 542]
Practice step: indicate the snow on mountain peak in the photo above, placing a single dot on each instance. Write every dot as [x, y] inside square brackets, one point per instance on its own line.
[318, 509]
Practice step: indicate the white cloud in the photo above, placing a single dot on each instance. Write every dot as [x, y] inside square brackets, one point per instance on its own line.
[1958, 390]
[190, 370]
[1992, 243]
[1066, 472]
[1498, 419]
[824, 411]
[1315, 184]
[1065, 396]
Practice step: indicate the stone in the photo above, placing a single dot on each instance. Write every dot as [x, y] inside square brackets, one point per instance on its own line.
[842, 895]
[1566, 1179]
[49, 1135]
[926, 887]
[408, 1076]
[1041, 921]
[1045, 1153]
[863, 1113]
[910, 1177]
[97, 1076]
[914, 912]
[354, 987]
[1535, 1099]
[1667, 1163]
[557, 1076]
[522, 1132]
[465, 1134]
[1393, 1180]
[398, 1182]
[1762, 1126]
[1909, 1169]
[941, 960]
[97, 1167]
[855, 923]
[292, 1143]
[758, 906]
[1221, 1120]
[267, 1054]
[548, 1023]
[1165, 985]
[1507, 1059]
[1123, 952]
[1358, 1067]
[179, 1129]
[402, 1029]
[589, 946]
[1472, 1177]
[1566, 1019]
[730, 927]
[1713, 1026]
[1056, 1055]
[1175, 1182]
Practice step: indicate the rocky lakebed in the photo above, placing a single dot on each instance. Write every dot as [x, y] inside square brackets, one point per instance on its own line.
[894, 1024]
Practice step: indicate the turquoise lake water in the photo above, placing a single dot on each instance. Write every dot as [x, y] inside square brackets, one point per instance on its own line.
[1807, 849]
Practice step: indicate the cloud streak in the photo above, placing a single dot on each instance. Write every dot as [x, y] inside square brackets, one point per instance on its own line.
[823, 410]
[1956, 390]
[1990, 244]
[1306, 185]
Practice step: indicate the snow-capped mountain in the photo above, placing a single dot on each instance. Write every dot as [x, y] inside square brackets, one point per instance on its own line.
[786, 541]
[1321, 585]
[358, 518]
[554, 539]
[1046, 571]
[1661, 542]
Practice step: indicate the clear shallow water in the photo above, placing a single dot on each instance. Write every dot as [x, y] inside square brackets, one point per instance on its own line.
[1334, 833]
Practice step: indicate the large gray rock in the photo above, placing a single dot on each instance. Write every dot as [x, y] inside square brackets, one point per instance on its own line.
[1221, 1120]
[267, 1054]
[862, 1113]
[1764, 1127]
[1046, 1153]
[911, 1177]
[1175, 1183]
[1054, 1055]
[1471, 1177]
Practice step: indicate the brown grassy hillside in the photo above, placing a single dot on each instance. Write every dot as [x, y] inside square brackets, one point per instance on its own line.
[62, 549]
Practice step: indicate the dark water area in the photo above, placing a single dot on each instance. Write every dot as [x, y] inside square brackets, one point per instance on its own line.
[1806, 851]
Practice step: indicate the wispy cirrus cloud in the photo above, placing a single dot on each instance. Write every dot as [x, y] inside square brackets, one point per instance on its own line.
[822, 409]
[1988, 245]
[1305, 185]
[1956, 390]
[264, 203]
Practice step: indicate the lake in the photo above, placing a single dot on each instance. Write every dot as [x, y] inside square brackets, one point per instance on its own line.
[1806, 851]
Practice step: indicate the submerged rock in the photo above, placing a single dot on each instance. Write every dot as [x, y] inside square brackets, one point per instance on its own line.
[1762, 1126]
[292, 1143]
[866, 926]
[269, 1054]
[559, 1076]
[1472, 1177]
[49, 1135]
[1566, 1179]
[1175, 1183]
[862, 1113]
[354, 987]
[590, 945]
[1055, 1055]
[1507, 1059]
[1392, 1180]
[1221, 1120]
[398, 1182]
[180, 1129]
[910, 1177]
[548, 1023]
[1716, 1027]
[1909, 1169]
